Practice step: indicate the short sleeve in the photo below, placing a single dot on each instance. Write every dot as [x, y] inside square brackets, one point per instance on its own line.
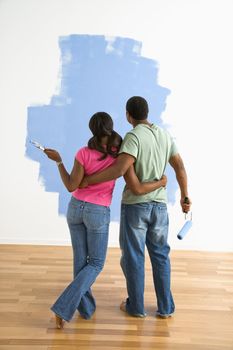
[130, 145]
[80, 156]
[174, 149]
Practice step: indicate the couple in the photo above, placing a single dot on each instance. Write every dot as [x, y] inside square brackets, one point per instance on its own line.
[141, 158]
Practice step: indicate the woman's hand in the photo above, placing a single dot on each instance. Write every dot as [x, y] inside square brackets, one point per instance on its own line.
[163, 180]
[53, 154]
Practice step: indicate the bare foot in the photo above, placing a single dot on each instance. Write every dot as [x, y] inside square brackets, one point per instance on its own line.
[123, 306]
[59, 322]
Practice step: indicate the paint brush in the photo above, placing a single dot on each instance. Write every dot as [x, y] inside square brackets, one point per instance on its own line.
[37, 145]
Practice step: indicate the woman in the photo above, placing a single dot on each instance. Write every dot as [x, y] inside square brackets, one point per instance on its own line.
[88, 214]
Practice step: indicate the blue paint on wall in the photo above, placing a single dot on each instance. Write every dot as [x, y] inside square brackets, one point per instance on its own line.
[97, 74]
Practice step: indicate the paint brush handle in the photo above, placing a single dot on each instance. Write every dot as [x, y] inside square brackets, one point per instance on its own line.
[37, 145]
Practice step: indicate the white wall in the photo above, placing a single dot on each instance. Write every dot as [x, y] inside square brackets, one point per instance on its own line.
[191, 40]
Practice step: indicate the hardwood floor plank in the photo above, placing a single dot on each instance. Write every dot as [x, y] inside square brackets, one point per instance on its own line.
[31, 278]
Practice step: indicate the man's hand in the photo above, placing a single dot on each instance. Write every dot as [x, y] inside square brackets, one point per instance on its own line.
[83, 183]
[185, 203]
[53, 154]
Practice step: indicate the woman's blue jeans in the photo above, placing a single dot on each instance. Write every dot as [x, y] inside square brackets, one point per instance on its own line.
[89, 225]
[145, 224]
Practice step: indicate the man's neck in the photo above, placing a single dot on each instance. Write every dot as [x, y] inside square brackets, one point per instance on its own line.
[144, 121]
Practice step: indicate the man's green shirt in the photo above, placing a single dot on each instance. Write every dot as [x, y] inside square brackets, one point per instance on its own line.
[152, 147]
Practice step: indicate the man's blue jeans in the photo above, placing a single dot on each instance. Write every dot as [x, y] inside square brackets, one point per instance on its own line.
[145, 224]
[89, 226]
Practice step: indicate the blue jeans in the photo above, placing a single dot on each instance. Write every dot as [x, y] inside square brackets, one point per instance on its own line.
[145, 224]
[89, 225]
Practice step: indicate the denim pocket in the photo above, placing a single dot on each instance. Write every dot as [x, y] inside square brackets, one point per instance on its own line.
[96, 218]
[74, 215]
[162, 215]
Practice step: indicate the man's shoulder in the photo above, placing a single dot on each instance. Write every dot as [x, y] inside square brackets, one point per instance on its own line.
[142, 131]
[145, 130]
[130, 135]
[160, 131]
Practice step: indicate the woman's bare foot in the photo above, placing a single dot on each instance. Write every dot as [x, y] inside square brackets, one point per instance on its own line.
[59, 322]
[123, 306]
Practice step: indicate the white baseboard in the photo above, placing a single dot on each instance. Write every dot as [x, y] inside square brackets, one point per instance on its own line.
[111, 244]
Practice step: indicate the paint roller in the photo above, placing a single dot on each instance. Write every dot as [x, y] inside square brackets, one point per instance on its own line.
[188, 224]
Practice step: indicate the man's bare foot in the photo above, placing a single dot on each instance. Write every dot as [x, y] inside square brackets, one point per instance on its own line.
[59, 322]
[123, 308]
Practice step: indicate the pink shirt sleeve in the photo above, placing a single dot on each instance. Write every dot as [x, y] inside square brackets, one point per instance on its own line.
[80, 156]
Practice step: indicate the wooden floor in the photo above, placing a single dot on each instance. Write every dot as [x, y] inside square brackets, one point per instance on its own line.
[33, 276]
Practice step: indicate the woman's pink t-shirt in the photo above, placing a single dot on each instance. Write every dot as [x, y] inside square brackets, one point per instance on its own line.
[100, 193]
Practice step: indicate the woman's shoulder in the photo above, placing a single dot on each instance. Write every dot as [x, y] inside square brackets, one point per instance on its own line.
[83, 149]
[86, 151]
[81, 153]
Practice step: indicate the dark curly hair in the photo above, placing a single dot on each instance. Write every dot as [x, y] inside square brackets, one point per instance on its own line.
[101, 124]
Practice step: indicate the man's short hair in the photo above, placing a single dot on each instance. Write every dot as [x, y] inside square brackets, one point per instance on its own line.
[137, 107]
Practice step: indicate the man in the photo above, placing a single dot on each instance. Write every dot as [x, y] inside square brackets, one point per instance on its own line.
[144, 218]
